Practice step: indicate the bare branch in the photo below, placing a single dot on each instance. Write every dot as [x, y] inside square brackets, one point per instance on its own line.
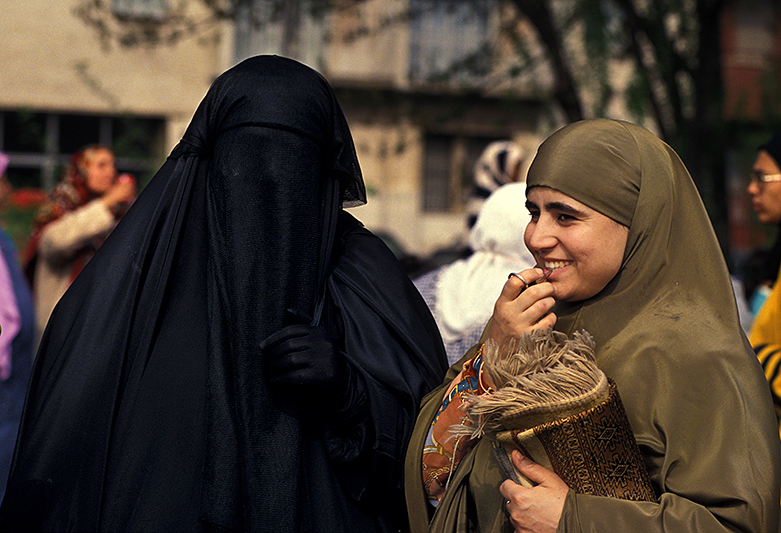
[565, 92]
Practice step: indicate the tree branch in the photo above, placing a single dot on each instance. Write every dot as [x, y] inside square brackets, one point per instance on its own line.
[565, 91]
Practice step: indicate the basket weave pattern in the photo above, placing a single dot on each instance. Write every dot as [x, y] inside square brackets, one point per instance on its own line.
[595, 452]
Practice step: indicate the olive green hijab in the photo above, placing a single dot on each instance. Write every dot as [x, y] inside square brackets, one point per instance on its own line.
[667, 332]
[666, 326]
[672, 262]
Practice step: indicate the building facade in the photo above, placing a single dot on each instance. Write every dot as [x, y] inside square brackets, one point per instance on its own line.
[425, 86]
[68, 81]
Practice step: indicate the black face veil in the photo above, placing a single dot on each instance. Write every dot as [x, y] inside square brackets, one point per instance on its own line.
[148, 409]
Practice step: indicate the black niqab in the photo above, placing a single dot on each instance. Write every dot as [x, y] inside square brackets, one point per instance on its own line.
[148, 410]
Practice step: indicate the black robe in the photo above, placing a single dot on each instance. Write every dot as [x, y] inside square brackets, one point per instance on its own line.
[148, 409]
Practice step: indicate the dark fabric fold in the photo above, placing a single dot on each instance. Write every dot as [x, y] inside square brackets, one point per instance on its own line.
[148, 409]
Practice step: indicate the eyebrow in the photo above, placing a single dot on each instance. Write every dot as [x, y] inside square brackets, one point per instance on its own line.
[564, 208]
[558, 206]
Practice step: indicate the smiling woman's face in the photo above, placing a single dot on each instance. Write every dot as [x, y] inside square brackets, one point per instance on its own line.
[583, 247]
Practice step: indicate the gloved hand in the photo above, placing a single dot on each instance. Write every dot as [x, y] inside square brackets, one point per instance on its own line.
[303, 361]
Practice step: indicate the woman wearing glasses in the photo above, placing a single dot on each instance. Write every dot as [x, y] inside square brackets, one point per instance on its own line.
[765, 185]
[765, 334]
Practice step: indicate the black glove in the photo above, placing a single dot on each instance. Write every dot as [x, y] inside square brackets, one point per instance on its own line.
[303, 362]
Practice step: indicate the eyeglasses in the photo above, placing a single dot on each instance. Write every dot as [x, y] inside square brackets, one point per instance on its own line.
[757, 176]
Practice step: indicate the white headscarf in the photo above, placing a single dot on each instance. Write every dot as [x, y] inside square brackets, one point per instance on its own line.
[467, 289]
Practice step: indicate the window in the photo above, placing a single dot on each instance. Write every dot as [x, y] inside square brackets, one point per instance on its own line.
[40, 144]
[292, 28]
[140, 9]
[450, 40]
[448, 170]
[754, 32]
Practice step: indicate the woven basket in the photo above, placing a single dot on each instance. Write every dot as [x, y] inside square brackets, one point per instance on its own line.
[556, 407]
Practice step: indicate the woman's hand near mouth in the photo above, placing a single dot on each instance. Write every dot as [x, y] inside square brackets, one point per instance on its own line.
[522, 307]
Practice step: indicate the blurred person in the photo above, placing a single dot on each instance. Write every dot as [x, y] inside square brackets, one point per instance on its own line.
[765, 334]
[461, 295]
[241, 354]
[765, 191]
[758, 271]
[79, 214]
[500, 163]
[17, 333]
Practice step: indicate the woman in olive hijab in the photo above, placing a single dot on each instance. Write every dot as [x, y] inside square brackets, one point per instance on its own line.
[656, 297]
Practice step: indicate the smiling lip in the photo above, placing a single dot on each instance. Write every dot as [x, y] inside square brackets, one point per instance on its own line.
[549, 268]
[555, 265]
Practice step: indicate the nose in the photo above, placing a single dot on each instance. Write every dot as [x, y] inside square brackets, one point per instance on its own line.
[753, 188]
[541, 235]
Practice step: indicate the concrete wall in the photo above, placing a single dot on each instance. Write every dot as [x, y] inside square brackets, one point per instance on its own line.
[53, 61]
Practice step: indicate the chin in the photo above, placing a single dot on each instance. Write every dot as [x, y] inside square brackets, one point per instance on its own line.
[568, 297]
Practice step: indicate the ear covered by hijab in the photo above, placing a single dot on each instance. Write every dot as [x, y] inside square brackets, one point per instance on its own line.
[667, 331]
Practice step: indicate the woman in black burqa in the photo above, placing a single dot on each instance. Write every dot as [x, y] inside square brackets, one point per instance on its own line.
[212, 368]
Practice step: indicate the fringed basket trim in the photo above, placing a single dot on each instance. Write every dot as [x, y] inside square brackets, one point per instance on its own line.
[541, 376]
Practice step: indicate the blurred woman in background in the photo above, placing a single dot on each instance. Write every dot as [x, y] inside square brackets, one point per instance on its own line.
[67, 230]
[461, 295]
